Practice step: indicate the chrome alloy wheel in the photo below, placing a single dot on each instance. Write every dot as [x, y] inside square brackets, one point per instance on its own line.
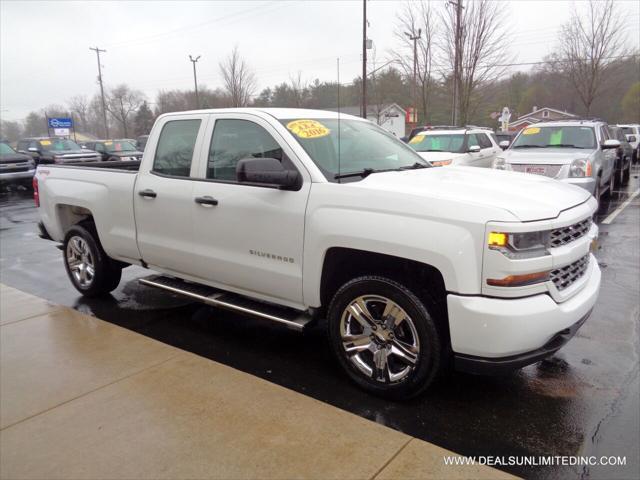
[379, 338]
[80, 261]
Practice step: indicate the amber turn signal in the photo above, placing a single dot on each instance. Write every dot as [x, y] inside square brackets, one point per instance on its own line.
[519, 280]
[497, 239]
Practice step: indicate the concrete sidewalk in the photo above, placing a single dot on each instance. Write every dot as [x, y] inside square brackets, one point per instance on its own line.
[82, 398]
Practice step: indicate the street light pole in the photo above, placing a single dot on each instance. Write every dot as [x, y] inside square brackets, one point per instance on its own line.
[195, 78]
[104, 105]
[364, 59]
[414, 38]
[457, 62]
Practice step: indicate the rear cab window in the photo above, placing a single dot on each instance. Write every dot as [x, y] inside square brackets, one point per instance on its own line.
[176, 144]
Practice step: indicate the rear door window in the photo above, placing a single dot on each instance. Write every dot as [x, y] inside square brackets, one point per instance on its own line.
[176, 144]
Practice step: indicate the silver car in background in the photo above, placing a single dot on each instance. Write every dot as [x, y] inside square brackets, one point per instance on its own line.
[579, 152]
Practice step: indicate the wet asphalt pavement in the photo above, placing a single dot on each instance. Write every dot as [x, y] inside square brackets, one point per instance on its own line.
[583, 401]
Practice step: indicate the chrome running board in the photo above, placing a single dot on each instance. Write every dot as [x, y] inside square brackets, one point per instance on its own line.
[288, 317]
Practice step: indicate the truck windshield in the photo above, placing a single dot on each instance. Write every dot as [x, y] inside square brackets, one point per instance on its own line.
[437, 143]
[58, 145]
[361, 146]
[556, 137]
[6, 149]
[119, 146]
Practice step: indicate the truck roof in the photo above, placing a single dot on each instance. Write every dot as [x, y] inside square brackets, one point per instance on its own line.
[278, 113]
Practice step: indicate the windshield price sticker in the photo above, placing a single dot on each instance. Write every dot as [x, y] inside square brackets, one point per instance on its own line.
[308, 129]
[531, 131]
[45, 142]
[108, 143]
[416, 139]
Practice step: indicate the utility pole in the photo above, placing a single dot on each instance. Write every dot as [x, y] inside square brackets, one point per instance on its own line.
[104, 105]
[457, 62]
[414, 38]
[195, 78]
[364, 59]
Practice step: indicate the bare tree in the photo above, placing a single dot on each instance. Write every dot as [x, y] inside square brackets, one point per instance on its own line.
[481, 49]
[299, 89]
[122, 102]
[79, 106]
[239, 80]
[587, 44]
[412, 18]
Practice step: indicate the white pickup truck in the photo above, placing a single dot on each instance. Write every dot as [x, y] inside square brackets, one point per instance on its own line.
[299, 215]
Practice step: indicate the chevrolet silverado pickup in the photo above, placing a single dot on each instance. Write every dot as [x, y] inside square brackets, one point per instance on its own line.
[296, 216]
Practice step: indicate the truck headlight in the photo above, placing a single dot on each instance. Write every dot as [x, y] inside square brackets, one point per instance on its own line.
[499, 163]
[580, 167]
[520, 245]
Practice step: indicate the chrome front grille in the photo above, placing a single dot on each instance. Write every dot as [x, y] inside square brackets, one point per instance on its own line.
[566, 276]
[564, 235]
[545, 170]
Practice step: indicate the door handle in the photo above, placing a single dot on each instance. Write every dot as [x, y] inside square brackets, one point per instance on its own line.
[147, 193]
[206, 201]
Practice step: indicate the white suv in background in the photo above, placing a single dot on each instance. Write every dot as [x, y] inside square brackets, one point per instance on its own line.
[470, 146]
[579, 152]
[632, 132]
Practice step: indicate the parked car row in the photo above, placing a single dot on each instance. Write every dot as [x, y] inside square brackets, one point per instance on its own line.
[587, 153]
[18, 165]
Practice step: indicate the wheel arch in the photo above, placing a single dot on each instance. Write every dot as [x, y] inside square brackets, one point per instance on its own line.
[69, 215]
[343, 264]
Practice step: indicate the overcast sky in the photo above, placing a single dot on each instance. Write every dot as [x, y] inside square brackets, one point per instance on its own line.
[45, 56]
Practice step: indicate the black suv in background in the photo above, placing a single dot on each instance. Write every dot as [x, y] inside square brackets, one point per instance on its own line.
[15, 167]
[113, 150]
[55, 150]
[624, 156]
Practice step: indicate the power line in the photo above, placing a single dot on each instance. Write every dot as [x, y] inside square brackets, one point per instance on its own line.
[160, 35]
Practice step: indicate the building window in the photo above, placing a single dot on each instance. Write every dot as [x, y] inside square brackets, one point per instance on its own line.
[545, 114]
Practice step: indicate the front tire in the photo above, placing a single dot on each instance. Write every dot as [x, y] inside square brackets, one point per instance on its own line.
[89, 268]
[384, 337]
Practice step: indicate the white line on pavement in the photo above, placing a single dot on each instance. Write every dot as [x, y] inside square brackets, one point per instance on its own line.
[617, 211]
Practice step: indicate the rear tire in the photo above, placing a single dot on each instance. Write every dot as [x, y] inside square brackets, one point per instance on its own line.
[597, 194]
[612, 184]
[626, 175]
[384, 337]
[89, 268]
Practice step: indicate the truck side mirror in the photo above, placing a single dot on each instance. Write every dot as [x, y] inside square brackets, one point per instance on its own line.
[631, 138]
[268, 172]
[611, 143]
[504, 144]
[474, 149]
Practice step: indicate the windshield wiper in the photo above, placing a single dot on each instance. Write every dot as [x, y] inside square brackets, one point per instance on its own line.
[364, 173]
[528, 146]
[415, 166]
[565, 145]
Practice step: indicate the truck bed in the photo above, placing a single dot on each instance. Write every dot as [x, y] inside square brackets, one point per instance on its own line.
[125, 166]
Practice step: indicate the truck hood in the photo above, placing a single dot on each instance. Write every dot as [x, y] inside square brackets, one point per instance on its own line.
[546, 156]
[527, 197]
[14, 158]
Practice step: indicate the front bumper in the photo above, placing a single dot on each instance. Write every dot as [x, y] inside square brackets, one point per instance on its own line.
[588, 183]
[494, 329]
[12, 176]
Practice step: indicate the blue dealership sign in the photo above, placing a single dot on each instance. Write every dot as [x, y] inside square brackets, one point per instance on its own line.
[60, 123]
